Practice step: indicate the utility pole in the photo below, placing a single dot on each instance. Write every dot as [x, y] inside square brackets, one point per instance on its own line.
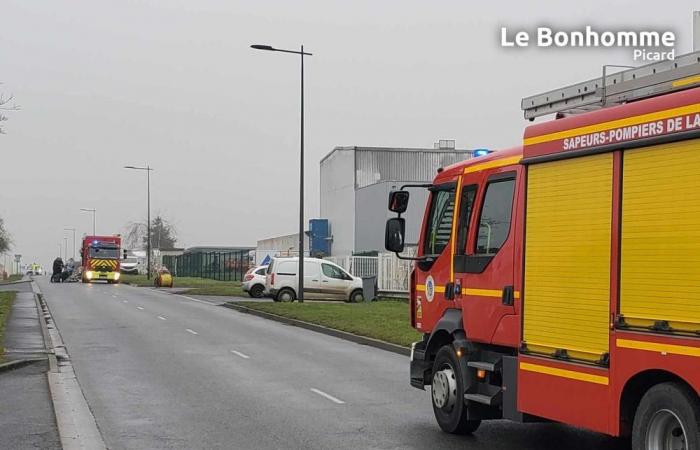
[300, 272]
[73, 230]
[148, 170]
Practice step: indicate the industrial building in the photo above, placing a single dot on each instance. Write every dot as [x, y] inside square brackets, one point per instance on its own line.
[355, 186]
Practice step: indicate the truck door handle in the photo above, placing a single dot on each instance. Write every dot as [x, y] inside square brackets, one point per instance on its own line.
[507, 297]
[314, 280]
[325, 281]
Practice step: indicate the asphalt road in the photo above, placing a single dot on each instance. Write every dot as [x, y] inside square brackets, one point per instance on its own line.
[162, 371]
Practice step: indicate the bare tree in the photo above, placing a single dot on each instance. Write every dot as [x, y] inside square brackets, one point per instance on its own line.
[163, 234]
[5, 239]
[6, 104]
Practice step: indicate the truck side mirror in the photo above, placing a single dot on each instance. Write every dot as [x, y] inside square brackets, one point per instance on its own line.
[124, 254]
[394, 234]
[398, 201]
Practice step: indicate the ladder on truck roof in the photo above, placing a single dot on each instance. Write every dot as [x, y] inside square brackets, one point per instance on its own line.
[628, 85]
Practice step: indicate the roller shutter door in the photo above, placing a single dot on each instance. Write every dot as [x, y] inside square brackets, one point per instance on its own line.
[567, 257]
[660, 259]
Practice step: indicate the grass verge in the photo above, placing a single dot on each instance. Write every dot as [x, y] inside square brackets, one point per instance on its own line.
[6, 299]
[11, 278]
[199, 286]
[386, 321]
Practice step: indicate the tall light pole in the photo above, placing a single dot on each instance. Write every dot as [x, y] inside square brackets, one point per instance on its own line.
[301, 53]
[94, 213]
[73, 230]
[148, 170]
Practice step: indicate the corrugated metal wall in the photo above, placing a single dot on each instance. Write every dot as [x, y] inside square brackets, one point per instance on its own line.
[375, 165]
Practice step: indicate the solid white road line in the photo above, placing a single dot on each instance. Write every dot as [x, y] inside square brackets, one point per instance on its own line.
[162, 318]
[240, 354]
[191, 331]
[140, 307]
[328, 396]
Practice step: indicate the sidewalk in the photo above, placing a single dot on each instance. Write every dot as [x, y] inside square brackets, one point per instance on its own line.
[27, 418]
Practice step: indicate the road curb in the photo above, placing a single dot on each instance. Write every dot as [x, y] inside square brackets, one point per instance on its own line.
[19, 363]
[363, 340]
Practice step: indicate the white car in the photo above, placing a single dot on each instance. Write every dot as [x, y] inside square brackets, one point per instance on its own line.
[322, 279]
[254, 281]
[129, 265]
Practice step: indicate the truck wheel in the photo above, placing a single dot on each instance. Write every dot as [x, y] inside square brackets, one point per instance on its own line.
[667, 418]
[286, 295]
[447, 392]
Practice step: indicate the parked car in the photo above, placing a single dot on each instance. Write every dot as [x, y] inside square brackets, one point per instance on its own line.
[129, 265]
[254, 281]
[322, 279]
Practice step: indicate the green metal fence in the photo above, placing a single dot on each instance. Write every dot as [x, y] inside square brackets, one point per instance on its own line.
[222, 266]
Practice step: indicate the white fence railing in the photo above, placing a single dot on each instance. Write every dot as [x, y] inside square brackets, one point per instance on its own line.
[392, 273]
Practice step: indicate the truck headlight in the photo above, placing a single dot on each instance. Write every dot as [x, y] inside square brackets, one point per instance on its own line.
[88, 274]
[117, 275]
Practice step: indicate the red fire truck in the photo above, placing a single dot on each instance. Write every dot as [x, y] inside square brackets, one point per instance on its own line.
[560, 280]
[101, 256]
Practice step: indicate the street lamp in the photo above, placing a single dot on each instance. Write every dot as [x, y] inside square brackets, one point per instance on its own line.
[300, 272]
[148, 170]
[93, 211]
[73, 230]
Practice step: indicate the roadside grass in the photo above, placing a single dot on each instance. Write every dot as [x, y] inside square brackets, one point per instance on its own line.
[11, 278]
[199, 286]
[384, 320]
[6, 299]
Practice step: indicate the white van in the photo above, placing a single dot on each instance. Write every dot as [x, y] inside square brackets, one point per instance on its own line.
[322, 280]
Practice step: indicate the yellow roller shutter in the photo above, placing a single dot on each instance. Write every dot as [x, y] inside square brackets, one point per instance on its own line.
[567, 257]
[660, 272]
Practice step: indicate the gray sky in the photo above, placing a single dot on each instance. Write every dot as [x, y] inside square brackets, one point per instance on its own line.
[174, 83]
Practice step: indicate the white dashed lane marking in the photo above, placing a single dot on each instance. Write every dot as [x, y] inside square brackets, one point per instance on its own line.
[240, 354]
[328, 396]
[162, 318]
[191, 331]
[140, 307]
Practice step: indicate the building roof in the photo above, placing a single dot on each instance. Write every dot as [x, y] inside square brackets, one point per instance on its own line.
[394, 149]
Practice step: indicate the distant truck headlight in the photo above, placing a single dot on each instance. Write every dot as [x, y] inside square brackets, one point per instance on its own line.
[89, 274]
[117, 275]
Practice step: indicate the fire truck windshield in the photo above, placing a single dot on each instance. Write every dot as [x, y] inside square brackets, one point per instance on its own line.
[109, 253]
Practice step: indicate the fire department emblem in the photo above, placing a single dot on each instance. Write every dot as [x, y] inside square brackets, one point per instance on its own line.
[430, 288]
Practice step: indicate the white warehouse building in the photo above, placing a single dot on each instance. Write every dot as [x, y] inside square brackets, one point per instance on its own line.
[355, 185]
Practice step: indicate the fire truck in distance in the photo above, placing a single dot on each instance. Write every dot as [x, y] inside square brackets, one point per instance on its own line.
[560, 280]
[100, 258]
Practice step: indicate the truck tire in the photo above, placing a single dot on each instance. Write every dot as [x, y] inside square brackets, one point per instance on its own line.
[668, 417]
[447, 394]
[286, 295]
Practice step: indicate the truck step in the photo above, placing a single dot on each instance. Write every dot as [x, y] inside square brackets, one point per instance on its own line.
[490, 400]
[482, 365]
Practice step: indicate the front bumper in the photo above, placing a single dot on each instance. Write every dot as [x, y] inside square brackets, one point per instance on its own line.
[246, 285]
[420, 367]
[109, 276]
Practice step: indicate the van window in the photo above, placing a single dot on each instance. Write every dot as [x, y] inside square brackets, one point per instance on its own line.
[494, 223]
[334, 272]
[260, 271]
[466, 203]
[439, 226]
[310, 269]
[286, 268]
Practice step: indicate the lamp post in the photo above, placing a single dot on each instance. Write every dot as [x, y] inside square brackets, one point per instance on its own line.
[73, 230]
[94, 213]
[300, 272]
[148, 170]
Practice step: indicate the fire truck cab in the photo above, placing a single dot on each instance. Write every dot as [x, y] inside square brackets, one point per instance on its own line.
[560, 280]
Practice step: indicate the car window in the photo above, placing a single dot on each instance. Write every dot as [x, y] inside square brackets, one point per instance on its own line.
[333, 272]
[494, 223]
[260, 271]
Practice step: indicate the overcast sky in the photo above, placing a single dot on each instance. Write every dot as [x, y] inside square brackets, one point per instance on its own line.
[174, 84]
